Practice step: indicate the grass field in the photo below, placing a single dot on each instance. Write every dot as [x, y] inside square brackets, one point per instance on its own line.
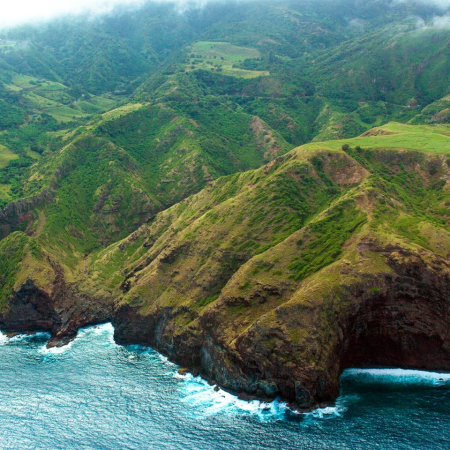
[52, 86]
[221, 56]
[53, 98]
[39, 102]
[23, 81]
[6, 156]
[65, 113]
[41, 87]
[103, 103]
[430, 138]
[121, 111]
[32, 154]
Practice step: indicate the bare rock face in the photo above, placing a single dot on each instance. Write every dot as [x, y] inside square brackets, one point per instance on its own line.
[30, 309]
[396, 319]
[18, 214]
[406, 322]
[59, 310]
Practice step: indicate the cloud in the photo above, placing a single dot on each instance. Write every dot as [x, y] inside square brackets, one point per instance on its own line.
[444, 4]
[441, 22]
[358, 24]
[18, 12]
[441, 4]
[436, 22]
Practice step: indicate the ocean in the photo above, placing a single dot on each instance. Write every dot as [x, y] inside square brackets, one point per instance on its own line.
[94, 394]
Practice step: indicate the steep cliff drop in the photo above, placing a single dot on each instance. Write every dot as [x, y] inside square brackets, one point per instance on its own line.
[269, 283]
[396, 319]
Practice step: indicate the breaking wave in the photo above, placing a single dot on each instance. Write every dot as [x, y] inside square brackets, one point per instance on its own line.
[3, 339]
[206, 400]
[396, 377]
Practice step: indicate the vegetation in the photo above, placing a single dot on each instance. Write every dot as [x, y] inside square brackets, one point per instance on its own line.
[225, 58]
[196, 159]
[219, 68]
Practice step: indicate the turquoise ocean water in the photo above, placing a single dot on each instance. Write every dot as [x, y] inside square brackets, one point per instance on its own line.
[94, 394]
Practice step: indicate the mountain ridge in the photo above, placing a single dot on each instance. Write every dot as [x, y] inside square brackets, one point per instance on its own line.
[326, 229]
[213, 201]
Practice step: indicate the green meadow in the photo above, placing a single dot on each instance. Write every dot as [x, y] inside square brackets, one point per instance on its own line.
[6, 156]
[223, 57]
[429, 138]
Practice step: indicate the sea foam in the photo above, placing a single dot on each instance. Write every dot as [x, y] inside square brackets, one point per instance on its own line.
[3, 339]
[55, 350]
[207, 400]
[398, 376]
[84, 333]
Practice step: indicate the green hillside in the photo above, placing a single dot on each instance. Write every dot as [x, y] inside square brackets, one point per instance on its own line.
[259, 193]
[309, 71]
[262, 270]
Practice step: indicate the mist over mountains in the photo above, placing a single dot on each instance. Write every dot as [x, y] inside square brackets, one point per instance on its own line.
[29, 12]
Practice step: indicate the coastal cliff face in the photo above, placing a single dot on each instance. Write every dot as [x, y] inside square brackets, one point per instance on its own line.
[300, 346]
[37, 295]
[269, 282]
[61, 312]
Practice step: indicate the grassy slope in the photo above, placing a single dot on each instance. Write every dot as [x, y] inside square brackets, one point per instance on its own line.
[6, 156]
[188, 128]
[107, 189]
[223, 57]
[429, 138]
[117, 172]
[248, 214]
[264, 261]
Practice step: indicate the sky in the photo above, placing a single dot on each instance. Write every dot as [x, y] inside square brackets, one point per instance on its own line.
[17, 12]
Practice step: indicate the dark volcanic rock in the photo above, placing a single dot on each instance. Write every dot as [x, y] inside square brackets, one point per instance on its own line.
[398, 319]
[61, 311]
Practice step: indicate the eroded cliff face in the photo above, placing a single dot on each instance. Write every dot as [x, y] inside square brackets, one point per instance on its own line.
[271, 282]
[45, 301]
[406, 322]
[396, 318]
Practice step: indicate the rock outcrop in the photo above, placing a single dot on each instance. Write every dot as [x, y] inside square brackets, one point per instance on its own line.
[18, 214]
[398, 318]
